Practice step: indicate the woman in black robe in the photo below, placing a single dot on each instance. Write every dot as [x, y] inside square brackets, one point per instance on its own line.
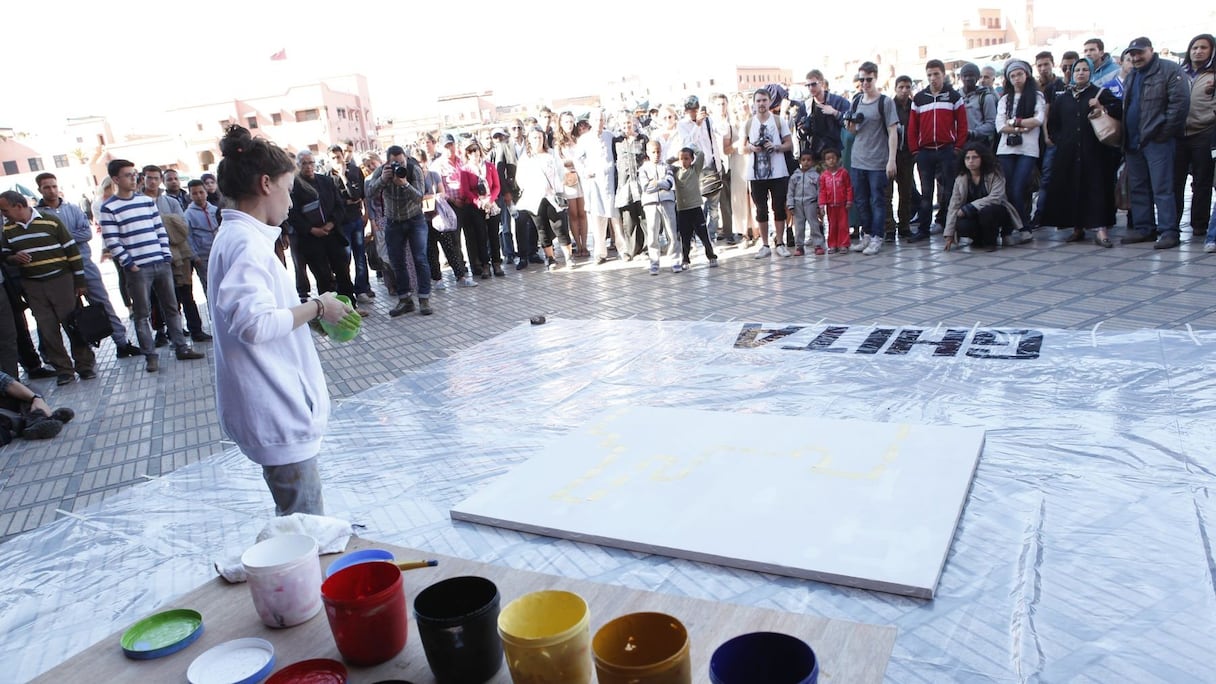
[1082, 190]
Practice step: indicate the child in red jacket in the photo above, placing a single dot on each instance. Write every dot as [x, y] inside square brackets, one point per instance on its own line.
[835, 200]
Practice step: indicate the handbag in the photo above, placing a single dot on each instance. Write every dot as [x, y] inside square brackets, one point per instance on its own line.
[444, 220]
[711, 182]
[89, 324]
[1107, 128]
[561, 203]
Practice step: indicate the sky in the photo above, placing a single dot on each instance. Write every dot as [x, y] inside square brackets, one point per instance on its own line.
[138, 63]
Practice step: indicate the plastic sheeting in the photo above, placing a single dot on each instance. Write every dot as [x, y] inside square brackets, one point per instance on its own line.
[1082, 555]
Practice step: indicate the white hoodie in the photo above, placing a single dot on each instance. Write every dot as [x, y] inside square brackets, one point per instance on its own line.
[270, 390]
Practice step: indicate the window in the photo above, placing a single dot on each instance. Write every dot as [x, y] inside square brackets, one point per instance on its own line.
[10, 168]
[276, 119]
[711, 82]
[341, 112]
[199, 126]
[35, 163]
[307, 115]
[79, 139]
[61, 161]
[252, 121]
[314, 148]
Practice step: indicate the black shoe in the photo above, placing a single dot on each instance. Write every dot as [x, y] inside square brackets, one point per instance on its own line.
[128, 350]
[888, 237]
[1078, 235]
[485, 273]
[162, 340]
[601, 261]
[521, 265]
[424, 307]
[200, 337]
[63, 415]
[1167, 241]
[87, 374]
[536, 259]
[41, 373]
[153, 363]
[188, 354]
[498, 270]
[66, 379]
[1136, 236]
[39, 426]
[404, 306]
[917, 237]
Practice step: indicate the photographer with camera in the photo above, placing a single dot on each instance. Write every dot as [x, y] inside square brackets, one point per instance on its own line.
[824, 119]
[767, 138]
[1022, 109]
[875, 122]
[398, 184]
[316, 212]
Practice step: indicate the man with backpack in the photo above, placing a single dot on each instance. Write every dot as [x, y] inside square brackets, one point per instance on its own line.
[875, 123]
[981, 106]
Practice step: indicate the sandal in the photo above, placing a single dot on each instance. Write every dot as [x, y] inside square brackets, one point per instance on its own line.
[1078, 235]
[1102, 240]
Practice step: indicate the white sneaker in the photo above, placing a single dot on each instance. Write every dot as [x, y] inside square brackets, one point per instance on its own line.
[676, 268]
[873, 248]
[1209, 248]
[783, 251]
[467, 281]
[862, 244]
[763, 252]
[654, 268]
[713, 263]
[438, 285]
[965, 242]
[936, 228]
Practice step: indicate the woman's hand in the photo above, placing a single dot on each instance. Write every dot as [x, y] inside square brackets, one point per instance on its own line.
[950, 242]
[337, 312]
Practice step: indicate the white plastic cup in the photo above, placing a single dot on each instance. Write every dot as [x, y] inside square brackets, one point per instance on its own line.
[284, 579]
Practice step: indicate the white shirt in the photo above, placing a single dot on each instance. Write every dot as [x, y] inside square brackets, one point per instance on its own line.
[270, 390]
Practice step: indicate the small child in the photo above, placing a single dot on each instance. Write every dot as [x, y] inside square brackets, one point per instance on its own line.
[802, 202]
[836, 197]
[658, 203]
[689, 216]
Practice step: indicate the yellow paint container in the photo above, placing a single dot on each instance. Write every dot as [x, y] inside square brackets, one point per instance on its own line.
[546, 636]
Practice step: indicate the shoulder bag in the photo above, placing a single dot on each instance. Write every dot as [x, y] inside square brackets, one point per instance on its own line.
[1107, 128]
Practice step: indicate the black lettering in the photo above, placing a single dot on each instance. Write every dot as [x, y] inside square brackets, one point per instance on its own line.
[875, 341]
[824, 340]
[1030, 343]
[908, 338]
[753, 336]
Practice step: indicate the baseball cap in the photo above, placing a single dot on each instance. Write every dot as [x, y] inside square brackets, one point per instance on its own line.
[497, 132]
[969, 69]
[1138, 45]
[692, 102]
[448, 139]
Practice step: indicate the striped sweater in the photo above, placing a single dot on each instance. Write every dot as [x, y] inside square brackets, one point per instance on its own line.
[49, 244]
[133, 231]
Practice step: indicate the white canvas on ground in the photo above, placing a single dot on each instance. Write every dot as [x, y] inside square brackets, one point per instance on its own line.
[863, 504]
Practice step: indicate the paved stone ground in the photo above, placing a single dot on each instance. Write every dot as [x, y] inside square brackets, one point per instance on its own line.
[133, 425]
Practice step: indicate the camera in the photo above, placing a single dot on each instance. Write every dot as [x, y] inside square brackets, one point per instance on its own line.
[855, 118]
[399, 169]
[1013, 139]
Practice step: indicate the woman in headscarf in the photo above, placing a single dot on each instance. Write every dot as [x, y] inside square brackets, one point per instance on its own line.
[1021, 112]
[1082, 190]
[1194, 153]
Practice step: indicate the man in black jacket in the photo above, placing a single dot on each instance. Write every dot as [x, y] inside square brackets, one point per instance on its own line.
[316, 212]
[348, 178]
[1155, 105]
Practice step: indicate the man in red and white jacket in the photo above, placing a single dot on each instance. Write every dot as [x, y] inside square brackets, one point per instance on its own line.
[937, 127]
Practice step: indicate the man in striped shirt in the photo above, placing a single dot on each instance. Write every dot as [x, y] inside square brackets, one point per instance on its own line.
[138, 242]
[53, 276]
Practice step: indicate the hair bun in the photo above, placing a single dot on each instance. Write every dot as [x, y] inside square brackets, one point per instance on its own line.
[236, 141]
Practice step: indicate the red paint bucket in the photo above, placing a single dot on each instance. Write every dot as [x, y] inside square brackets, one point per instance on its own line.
[365, 604]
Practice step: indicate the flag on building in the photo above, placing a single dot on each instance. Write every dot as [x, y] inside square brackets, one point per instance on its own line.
[279, 56]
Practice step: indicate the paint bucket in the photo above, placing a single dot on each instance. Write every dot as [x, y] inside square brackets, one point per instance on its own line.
[284, 576]
[764, 657]
[547, 638]
[457, 621]
[336, 332]
[365, 604]
[642, 648]
[355, 557]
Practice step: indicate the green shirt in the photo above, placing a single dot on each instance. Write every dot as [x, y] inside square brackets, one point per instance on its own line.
[49, 244]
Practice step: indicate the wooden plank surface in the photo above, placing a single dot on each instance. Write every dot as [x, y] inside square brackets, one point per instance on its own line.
[849, 652]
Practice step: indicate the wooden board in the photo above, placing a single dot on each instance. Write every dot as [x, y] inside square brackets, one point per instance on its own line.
[852, 502]
[849, 652]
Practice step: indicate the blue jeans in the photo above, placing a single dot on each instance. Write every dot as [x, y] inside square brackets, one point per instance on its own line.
[1049, 156]
[1211, 228]
[1017, 169]
[155, 276]
[353, 231]
[870, 198]
[1150, 175]
[504, 231]
[934, 165]
[395, 235]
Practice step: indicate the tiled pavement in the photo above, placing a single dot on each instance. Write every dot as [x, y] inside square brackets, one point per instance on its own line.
[132, 425]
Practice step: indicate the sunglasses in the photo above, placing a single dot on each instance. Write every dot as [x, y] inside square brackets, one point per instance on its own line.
[865, 79]
[812, 84]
